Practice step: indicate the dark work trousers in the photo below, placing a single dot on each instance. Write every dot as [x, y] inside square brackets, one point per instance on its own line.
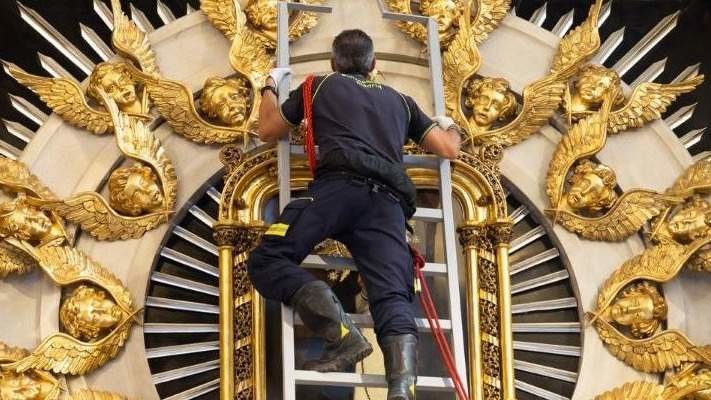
[368, 221]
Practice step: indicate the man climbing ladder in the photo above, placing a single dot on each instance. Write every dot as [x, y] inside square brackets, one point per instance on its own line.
[360, 196]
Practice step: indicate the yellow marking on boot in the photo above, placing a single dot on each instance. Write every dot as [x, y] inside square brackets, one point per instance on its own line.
[277, 229]
[344, 330]
[412, 391]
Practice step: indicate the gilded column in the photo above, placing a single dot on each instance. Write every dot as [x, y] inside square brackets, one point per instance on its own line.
[225, 236]
[471, 236]
[501, 233]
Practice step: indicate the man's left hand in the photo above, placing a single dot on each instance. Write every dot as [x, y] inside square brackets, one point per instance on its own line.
[277, 74]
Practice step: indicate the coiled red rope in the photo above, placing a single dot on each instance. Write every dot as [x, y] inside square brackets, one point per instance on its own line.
[418, 263]
[309, 144]
[417, 260]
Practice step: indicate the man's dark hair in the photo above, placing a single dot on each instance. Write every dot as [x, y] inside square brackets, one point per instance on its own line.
[353, 52]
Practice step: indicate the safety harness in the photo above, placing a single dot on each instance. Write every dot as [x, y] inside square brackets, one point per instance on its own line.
[418, 261]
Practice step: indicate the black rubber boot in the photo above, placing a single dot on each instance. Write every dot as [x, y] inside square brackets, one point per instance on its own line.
[400, 354]
[323, 314]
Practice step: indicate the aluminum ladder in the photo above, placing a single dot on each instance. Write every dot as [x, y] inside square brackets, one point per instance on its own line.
[454, 326]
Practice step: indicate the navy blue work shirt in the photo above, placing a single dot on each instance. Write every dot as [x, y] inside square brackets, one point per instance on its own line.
[351, 113]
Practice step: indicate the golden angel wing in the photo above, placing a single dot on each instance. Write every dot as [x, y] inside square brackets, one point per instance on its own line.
[414, 30]
[131, 42]
[86, 394]
[578, 45]
[656, 354]
[648, 102]
[303, 21]
[175, 103]
[460, 62]
[136, 141]
[626, 217]
[96, 217]
[65, 98]
[540, 101]
[634, 391]
[585, 138]
[696, 179]
[14, 261]
[249, 57]
[63, 354]
[488, 15]
[66, 265]
[16, 177]
[225, 15]
[659, 263]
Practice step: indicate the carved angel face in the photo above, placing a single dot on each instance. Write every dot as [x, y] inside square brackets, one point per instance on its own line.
[592, 187]
[595, 81]
[24, 221]
[88, 312]
[226, 100]
[23, 386]
[116, 82]
[263, 14]
[691, 222]
[641, 308]
[490, 100]
[135, 190]
[445, 12]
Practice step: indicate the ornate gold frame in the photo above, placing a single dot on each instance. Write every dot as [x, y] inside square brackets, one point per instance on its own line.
[250, 180]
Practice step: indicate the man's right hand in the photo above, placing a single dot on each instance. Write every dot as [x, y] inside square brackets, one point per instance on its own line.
[277, 74]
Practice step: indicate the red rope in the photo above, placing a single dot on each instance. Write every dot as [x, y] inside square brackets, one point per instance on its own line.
[309, 145]
[433, 320]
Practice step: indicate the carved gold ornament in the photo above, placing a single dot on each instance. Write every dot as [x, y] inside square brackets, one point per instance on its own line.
[582, 191]
[692, 382]
[28, 385]
[141, 197]
[487, 109]
[627, 301]
[96, 315]
[131, 42]
[647, 102]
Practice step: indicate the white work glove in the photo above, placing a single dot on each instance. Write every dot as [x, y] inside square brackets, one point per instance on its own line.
[444, 121]
[278, 74]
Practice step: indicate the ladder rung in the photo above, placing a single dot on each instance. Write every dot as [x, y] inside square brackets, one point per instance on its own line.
[365, 321]
[428, 214]
[343, 263]
[353, 380]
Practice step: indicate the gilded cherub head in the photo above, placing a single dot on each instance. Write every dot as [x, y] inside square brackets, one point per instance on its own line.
[641, 308]
[226, 100]
[24, 386]
[592, 187]
[135, 190]
[115, 80]
[490, 100]
[21, 220]
[593, 83]
[88, 313]
[262, 14]
[445, 12]
[691, 222]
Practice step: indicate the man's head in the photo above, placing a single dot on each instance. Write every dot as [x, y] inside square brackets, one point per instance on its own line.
[134, 190]
[490, 100]
[594, 82]
[115, 81]
[225, 100]
[641, 308]
[592, 187]
[353, 53]
[88, 312]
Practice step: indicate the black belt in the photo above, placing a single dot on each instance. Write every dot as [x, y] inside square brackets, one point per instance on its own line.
[375, 185]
